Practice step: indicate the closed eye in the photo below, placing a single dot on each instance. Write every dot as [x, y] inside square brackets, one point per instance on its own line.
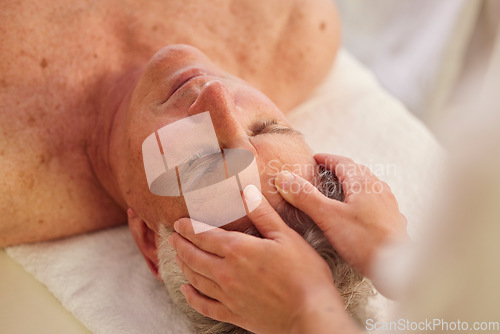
[272, 127]
[267, 127]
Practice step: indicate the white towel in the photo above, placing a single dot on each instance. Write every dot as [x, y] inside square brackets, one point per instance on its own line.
[103, 280]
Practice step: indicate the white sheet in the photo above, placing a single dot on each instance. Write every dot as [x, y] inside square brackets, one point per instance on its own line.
[101, 277]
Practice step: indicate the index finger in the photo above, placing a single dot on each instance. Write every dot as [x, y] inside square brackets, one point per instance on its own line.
[331, 161]
[262, 214]
[208, 238]
[344, 168]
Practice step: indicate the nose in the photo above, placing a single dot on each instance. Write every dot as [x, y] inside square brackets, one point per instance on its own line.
[216, 98]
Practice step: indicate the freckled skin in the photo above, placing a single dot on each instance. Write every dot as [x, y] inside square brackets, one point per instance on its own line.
[44, 63]
[65, 65]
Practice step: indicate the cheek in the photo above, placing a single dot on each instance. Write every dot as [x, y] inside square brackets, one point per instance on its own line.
[161, 210]
[171, 209]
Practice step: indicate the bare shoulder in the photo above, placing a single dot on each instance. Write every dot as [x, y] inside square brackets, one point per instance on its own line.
[314, 29]
[47, 189]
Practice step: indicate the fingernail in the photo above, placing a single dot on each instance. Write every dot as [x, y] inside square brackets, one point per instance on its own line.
[199, 227]
[176, 226]
[253, 197]
[177, 260]
[284, 180]
[183, 289]
[169, 240]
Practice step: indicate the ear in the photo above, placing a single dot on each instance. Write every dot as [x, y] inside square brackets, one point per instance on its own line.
[145, 238]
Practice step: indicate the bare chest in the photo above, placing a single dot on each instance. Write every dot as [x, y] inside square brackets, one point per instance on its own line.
[54, 53]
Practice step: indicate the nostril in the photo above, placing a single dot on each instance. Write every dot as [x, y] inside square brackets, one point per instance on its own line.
[215, 87]
[215, 97]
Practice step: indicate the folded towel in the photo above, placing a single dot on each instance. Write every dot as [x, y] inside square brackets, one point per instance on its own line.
[103, 280]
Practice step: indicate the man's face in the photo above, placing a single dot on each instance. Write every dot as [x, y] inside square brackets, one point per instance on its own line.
[179, 82]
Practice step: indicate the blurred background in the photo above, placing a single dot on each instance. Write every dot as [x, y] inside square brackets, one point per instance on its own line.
[433, 55]
[441, 58]
[457, 271]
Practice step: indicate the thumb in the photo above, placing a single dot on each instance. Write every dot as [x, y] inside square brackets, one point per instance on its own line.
[304, 196]
[262, 214]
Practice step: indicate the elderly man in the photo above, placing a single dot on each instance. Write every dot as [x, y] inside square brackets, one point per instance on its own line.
[68, 70]
[84, 85]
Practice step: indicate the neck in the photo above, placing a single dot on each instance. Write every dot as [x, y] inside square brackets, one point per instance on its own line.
[110, 100]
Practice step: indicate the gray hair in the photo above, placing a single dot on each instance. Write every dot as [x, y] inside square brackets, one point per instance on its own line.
[353, 287]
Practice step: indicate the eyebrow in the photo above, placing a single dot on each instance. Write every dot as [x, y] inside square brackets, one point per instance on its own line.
[284, 130]
[269, 129]
[273, 127]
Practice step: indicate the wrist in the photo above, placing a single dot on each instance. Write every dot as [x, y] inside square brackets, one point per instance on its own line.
[367, 267]
[391, 270]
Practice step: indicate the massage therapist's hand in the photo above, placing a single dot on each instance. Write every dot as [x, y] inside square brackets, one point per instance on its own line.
[277, 284]
[357, 227]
